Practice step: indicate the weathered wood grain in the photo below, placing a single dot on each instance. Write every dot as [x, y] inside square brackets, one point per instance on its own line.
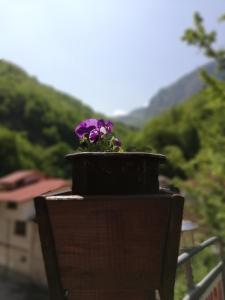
[112, 247]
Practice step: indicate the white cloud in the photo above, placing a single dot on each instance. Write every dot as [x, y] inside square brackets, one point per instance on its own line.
[118, 113]
[146, 104]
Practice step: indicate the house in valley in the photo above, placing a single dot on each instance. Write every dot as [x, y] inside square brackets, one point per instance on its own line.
[20, 249]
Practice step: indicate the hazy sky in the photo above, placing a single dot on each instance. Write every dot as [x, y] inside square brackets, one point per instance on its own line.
[112, 54]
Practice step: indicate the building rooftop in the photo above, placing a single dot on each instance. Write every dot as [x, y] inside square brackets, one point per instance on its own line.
[20, 178]
[30, 191]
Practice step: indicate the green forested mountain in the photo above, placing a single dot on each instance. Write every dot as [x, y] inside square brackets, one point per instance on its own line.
[36, 122]
[192, 136]
[171, 95]
[47, 116]
[36, 130]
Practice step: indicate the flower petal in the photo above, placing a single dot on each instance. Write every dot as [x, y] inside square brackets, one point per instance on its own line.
[101, 123]
[116, 142]
[94, 135]
[85, 127]
[109, 126]
[103, 131]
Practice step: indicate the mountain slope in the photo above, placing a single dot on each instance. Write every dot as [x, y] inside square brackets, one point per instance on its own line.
[176, 93]
[192, 136]
[36, 123]
[46, 115]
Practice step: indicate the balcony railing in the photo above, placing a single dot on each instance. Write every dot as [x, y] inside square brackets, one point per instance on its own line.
[212, 286]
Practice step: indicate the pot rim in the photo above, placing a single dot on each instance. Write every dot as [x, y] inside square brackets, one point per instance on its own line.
[76, 155]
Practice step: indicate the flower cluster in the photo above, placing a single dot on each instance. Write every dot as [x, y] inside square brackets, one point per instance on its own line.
[96, 135]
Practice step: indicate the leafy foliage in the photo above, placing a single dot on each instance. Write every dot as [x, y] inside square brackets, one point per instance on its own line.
[37, 123]
[46, 115]
[192, 135]
[204, 40]
[17, 152]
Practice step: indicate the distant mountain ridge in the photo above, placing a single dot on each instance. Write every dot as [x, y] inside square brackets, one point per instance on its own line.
[178, 92]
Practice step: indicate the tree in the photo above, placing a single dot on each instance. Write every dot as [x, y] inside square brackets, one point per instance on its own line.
[208, 168]
[198, 36]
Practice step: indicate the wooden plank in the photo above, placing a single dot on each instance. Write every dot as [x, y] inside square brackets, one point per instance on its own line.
[48, 248]
[110, 244]
[172, 248]
[110, 247]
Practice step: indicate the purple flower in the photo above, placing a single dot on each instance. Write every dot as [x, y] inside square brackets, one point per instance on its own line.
[108, 125]
[85, 127]
[102, 131]
[94, 135]
[101, 123]
[116, 142]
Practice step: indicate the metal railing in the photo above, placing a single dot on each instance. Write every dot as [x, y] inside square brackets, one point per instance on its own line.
[197, 290]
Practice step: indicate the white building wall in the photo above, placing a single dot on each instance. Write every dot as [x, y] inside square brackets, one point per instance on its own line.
[4, 255]
[23, 211]
[17, 252]
[37, 270]
[20, 241]
[19, 260]
[3, 230]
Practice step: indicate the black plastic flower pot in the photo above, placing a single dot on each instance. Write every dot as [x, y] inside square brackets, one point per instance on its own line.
[113, 173]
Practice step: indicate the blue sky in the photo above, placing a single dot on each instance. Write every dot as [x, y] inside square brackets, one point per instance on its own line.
[112, 54]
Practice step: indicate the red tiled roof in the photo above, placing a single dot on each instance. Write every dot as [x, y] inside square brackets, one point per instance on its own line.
[28, 192]
[16, 176]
